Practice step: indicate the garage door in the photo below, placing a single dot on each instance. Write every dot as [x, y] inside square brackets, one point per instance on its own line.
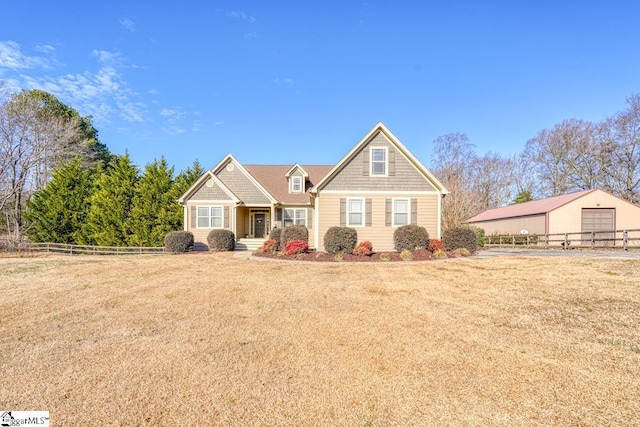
[598, 220]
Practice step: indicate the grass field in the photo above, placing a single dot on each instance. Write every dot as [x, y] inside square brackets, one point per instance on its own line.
[210, 339]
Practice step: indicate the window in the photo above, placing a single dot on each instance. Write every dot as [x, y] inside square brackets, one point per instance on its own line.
[295, 217]
[296, 184]
[379, 161]
[401, 211]
[355, 212]
[209, 217]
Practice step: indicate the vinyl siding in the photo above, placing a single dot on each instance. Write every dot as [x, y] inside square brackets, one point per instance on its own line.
[354, 175]
[380, 235]
[200, 234]
[310, 215]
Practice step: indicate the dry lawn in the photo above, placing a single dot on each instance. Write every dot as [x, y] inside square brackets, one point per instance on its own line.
[215, 340]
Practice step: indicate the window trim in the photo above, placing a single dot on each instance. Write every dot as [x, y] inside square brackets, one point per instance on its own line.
[209, 216]
[294, 217]
[292, 185]
[362, 212]
[386, 161]
[393, 211]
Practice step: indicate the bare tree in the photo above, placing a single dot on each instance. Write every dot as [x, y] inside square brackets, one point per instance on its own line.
[620, 141]
[565, 158]
[36, 136]
[491, 181]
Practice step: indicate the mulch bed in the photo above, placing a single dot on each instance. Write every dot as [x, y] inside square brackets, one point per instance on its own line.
[418, 255]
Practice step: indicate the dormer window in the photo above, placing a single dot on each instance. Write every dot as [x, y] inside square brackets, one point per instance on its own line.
[296, 184]
[378, 161]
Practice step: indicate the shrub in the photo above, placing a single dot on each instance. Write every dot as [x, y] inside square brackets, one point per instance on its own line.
[340, 239]
[385, 257]
[461, 252]
[296, 247]
[270, 246]
[293, 232]
[440, 254]
[406, 255]
[459, 237]
[276, 234]
[221, 240]
[480, 239]
[435, 245]
[178, 241]
[410, 237]
[363, 249]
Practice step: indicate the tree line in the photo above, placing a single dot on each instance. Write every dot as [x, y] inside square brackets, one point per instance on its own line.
[573, 155]
[59, 183]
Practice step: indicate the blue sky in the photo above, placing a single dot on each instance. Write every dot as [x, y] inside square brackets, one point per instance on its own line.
[292, 81]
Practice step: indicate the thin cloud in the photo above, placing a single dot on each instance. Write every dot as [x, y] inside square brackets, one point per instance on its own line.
[251, 35]
[12, 58]
[241, 15]
[127, 24]
[279, 81]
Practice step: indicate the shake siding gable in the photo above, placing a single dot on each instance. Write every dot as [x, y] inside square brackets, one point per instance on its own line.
[402, 174]
[210, 193]
[242, 187]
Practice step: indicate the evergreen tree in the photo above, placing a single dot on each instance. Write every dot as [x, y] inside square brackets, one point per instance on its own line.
[58, 212]
[108, 222]
[523, 196]
[181, 184]
[151, 214]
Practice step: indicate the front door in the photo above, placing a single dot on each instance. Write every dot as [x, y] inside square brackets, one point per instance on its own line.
[258, 225]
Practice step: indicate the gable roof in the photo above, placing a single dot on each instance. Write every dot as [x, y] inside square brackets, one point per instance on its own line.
[274, 179]
[230, 158]
[534, 207]
[380, 127]
[200, 181]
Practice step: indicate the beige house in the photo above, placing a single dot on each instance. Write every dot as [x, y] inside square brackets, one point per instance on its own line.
[578, 213]
[376, 187]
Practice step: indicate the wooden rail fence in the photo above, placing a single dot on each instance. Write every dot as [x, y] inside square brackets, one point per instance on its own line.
[63, 248]
[612, 239]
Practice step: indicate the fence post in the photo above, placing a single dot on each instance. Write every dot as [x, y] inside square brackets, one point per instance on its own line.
[513, 241]
[593, 239]
[625, 240]
[527, 240]
[565, 244]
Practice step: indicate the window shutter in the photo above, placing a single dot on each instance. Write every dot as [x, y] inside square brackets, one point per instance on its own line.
[365, 162]
[309, 218]
[392, 162]
[343, 212]
[226, 217]
[414, 211]
[387, 212]
[367, 212]
[193, 218]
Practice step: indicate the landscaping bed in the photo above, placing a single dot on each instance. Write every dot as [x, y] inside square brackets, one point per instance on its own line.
[319, 256]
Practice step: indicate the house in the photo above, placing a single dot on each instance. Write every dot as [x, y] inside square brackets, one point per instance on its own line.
[581, 212]
[376, 187]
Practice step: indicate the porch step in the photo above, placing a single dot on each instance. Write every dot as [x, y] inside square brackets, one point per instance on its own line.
[249, 244]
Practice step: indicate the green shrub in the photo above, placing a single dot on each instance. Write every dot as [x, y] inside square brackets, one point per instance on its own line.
[363, 249]
[480, 238]
[276, 234]
[293, 232]
[221, 240]
[410, 238]
[459, 237]
[296, 247]
[178, 241]
[340, 240]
